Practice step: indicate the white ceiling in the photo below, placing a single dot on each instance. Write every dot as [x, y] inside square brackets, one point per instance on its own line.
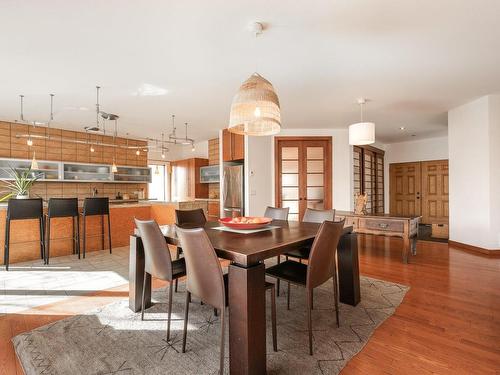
[413, 59]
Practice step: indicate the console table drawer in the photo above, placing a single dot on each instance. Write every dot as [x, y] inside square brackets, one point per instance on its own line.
[382, 225]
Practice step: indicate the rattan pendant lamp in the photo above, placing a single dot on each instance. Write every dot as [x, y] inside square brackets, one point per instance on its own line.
[255, 109]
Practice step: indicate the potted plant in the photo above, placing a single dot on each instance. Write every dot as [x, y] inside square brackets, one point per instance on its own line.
[22, 181]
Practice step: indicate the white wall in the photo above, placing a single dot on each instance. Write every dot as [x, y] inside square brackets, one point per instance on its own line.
[410, 151]
[260, 160]
[473, 134]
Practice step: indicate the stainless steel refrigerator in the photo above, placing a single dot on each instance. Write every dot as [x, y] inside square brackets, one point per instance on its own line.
[232, 191]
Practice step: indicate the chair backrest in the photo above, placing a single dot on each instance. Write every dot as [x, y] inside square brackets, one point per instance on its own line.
[96, 206]
[20, 209]
[318, 216]
[276, 213]
[321, 264]
[204, 272]
[190, 218]
[158, 261]
[63, 207]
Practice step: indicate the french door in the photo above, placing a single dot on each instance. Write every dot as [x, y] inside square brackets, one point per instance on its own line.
[303, 174]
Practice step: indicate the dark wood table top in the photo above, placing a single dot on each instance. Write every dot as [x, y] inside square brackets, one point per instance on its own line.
[250, 249]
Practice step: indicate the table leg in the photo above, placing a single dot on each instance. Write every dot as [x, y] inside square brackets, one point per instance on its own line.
[348, 269]
[136, 275]
[406, 249]
[247, 320]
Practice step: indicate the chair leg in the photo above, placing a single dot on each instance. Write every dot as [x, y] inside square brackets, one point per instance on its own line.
[78, 235]
[73, 234]
[177, 256]
[170, 295]
[109, 235]
[102, 232]
[273, 319]
[6, 246]
[312, 299]
[288, 298]
[47, 243]
[84, 235]
[336, 296]
[309, 321]
[186, 314]
[42, 238]
[143, 295]
[222, 339]
[278, 280]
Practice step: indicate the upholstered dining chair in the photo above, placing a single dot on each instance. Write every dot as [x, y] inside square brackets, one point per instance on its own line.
[310, 216]
[206, 281]
[322, 266]
[277, 213]
[188, 219]
[158, 262]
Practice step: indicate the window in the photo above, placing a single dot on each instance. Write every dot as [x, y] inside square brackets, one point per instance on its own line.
[368, 166]
[156, 188]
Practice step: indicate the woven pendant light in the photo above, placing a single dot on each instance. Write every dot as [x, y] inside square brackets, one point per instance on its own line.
[255, 109]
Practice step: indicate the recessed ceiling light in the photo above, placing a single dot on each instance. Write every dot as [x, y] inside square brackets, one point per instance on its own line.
[413, 135]
[402, 128]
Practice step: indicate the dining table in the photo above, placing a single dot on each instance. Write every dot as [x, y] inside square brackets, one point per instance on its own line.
[247, 253]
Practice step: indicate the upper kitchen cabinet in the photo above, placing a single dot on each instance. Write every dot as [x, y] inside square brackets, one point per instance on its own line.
[186, 183]
[233, 146]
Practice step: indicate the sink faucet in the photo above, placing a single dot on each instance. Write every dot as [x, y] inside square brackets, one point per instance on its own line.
[94, 192]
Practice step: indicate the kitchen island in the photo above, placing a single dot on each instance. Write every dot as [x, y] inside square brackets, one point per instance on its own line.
[24, 234]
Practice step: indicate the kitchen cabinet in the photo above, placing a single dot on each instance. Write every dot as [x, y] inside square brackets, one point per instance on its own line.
[233, 146]
[186, 183]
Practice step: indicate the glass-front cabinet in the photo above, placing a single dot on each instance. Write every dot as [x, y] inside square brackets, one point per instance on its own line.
[87, 172]
[132, 174]
[47, 170]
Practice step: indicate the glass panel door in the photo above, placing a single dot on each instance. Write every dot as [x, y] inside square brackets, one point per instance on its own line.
[303, 174]
[289, 171]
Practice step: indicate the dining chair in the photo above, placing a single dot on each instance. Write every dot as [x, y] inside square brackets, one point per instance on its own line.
[59, 208]
[206, 281]
[23, 209]
[277, 213]
[310, 216]
[158, 262]
[322, 266]
[188, 219]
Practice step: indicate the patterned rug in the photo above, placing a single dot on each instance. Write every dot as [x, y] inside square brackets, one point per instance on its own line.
[113, 339]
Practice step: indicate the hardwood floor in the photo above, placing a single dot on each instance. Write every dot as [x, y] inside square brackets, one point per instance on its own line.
[448, 323]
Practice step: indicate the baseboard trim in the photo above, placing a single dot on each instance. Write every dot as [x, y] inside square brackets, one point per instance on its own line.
[475, 249]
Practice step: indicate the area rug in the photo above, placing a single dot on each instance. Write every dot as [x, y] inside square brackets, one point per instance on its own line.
[114, 340]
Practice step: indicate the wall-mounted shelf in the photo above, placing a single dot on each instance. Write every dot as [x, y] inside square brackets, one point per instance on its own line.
[77, 172]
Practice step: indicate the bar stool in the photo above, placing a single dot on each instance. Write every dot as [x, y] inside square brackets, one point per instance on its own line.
[63, 207]
[96, 207]
[23, 209]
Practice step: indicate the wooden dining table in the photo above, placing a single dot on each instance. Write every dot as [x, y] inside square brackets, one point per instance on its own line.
[247, 253]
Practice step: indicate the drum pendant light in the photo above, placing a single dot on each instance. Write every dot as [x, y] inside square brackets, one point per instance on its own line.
[255, 109]
[362, 133]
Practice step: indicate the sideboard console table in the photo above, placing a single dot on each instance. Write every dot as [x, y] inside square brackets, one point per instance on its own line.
[405, 227]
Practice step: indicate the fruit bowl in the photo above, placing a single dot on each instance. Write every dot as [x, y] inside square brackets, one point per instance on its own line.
[245, 222]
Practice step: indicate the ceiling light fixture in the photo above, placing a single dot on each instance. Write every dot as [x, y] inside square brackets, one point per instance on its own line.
[255, 109]
[173, 138]
[402, 128]
[162, 148]
[362, 133]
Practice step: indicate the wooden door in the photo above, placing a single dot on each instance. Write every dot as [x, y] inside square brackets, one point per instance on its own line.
[404, 189]
[303, 174]
[435, 192]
